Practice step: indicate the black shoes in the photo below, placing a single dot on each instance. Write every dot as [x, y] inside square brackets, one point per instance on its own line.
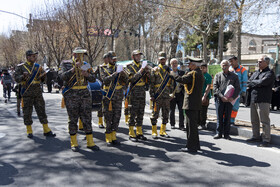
[217, 136]
[188, 150]
[116, 142]
[101, 126]
[228, 138]
[201, 127]
[94, 148]
[264, 144]
[253, 140]
[30, 135]
[133, 139]
[75, 149]
[50, 134]
[141, 137]
[172, 126]
[182, 128]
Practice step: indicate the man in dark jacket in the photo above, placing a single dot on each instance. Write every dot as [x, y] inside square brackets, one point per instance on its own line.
[8, 83]
[193, 83]
[260, 89]
[177, 97]
[223, 100]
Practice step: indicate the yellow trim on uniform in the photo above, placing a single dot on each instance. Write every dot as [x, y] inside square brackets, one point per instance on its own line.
[27, 68]
[161, 67]
[157, 85]
[79, 87]
[117, 87]
[136, 64]
[106, 71]
[36, 82]
[140, 84]
[186, 86]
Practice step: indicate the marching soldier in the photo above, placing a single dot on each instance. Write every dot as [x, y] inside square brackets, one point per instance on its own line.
[113, 83]
[30, 75]
[193, 81]
[76, 76]
[160, 90]
[97, 72]
[136, 95]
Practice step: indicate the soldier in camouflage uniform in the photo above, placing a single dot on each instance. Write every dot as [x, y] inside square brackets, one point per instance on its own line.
[163, 101]
[78, 100]
[97, 72]
[112, 108]
[137, 95]
[33, 94]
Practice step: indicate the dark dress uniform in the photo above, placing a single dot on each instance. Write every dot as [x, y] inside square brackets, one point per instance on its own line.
[137, 99]
[78, 103]
[112, 108]
[32, 97]
[193, 81]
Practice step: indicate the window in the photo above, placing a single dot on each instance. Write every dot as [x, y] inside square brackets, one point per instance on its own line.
[252, 45]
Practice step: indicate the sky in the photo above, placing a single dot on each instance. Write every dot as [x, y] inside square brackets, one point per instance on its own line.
[266, 24]
[10, 22]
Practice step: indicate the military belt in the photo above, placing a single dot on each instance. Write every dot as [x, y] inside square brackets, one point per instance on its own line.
[79, 87]
[158, 85]
[36, 82]
[140, 84]
[117, 87]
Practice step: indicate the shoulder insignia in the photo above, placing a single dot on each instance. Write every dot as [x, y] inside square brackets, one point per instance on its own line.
[20, 64]
[191, 72]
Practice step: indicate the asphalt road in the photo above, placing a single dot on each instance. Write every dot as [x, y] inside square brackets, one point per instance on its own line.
[50, 162]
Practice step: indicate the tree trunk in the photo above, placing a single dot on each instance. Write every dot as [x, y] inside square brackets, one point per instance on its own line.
[221, 37]
[239, 26]
[205, 50]
[174, 42]
[161, 42]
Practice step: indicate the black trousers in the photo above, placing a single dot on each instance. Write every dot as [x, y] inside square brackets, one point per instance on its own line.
[7, 89]
[178, 100]
[49, 84]
[192, 131]
[203, 115]
[223, 116]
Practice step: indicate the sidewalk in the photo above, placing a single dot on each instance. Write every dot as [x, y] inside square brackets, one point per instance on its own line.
[243, 117]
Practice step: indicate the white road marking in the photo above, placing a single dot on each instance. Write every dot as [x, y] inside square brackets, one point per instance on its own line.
[2, 135]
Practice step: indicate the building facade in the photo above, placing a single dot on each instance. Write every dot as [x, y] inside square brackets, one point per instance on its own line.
[252, 48]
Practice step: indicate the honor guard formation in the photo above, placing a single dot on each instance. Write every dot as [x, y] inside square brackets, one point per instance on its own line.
[109, 86]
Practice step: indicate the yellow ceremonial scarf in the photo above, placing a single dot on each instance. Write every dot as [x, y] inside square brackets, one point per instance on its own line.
[112, 66]
[161, 67]
[137, 64]
[29, 63]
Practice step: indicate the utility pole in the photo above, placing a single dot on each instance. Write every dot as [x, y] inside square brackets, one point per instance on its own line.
[277, 57]
[277, 68]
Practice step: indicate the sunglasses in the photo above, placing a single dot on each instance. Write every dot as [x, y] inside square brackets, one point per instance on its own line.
[260, 61]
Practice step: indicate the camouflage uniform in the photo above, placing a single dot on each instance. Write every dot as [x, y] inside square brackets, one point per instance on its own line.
[32, 97]
[112, 109]
[137, 98]
[162, 102]
[100, 112]
[78, 100]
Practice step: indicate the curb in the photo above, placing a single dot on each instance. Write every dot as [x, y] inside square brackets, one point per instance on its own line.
[239, 131]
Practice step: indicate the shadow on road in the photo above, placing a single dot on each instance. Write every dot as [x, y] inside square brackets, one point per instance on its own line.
[230, 159]
[7, 172]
